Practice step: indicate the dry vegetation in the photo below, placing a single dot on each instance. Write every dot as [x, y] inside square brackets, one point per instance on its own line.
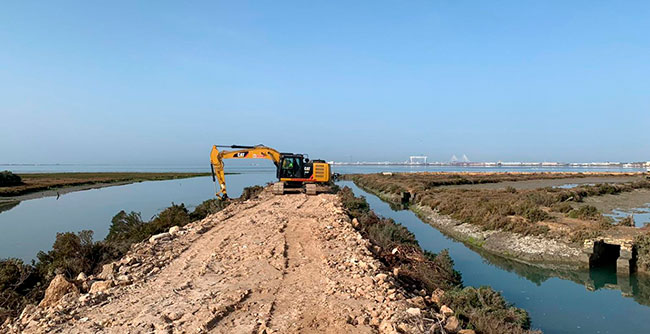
[527, 212]
[29, 183]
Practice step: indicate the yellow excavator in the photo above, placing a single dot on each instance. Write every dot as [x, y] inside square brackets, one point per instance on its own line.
[295, 172]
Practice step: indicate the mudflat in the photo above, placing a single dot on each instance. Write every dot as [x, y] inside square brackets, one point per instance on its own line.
[542, 183]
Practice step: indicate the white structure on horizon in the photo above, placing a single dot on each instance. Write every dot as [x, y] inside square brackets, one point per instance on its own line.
[465, 158]
[418, 159]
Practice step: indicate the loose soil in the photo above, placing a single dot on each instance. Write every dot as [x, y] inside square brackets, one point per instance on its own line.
[275, 264]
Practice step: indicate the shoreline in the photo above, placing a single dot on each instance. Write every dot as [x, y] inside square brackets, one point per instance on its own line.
[528, 250]
[89, 184]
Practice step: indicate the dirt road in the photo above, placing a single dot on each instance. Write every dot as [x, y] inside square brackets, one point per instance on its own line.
[276, 264]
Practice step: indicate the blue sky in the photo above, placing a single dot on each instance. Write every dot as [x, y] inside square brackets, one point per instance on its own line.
[160, 82]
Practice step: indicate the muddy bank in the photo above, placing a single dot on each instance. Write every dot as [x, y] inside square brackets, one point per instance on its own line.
[623, 201]
[534, 184]
[60, 191]
[532, 250]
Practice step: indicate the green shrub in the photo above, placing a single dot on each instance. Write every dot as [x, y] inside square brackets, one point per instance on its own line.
[627, 221]
[19, 286]
[207, 208]
[250, 192]
[561, 207]
[536, 215]
[486, 311]
[587, 212]
[356, 206]
[387, 233]
[125, 230]
[175, 215]
[73, 253]
[8, 179]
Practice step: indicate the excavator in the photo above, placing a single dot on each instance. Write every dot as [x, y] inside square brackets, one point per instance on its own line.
[295, 172]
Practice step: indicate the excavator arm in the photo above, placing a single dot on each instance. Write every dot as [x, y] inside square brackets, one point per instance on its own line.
[240, 152]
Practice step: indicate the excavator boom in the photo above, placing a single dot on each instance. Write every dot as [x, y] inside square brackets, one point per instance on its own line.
[240, 152]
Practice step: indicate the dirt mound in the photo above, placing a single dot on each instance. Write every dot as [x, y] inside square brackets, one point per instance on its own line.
[275, 264]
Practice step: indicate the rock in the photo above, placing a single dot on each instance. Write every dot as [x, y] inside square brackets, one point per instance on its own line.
[174, 230]
[414, 311]
[446, 311]
[161, 236]
[381, 277]
[108, 271]
[396, 271]
[81, 277]
[101, 286]
[452, 324]
[436, 296]
[355, 222]
[85, 286]
[27, 312]
[58, 288]
[418, 302]
[394, 251]
[466, 331]
[173, 316]
[124, 279]
[84, 298]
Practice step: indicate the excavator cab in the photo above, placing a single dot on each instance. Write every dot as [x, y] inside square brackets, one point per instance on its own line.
[293, 166]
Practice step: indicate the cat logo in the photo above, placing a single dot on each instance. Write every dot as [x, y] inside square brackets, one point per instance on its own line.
[241, 155]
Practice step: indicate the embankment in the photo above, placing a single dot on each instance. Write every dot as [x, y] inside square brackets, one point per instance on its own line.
[284, 264]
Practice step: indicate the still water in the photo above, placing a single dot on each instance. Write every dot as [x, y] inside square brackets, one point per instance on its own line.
[558, 302]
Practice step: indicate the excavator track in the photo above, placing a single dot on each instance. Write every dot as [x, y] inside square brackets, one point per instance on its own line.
[278, 188]
[311, 189]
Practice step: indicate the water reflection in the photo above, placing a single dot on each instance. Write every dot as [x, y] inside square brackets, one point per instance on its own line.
[640, 215]
[594, 279]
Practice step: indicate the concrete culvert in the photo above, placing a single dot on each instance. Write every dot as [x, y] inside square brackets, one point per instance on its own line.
[604, 256]
[406, 197]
